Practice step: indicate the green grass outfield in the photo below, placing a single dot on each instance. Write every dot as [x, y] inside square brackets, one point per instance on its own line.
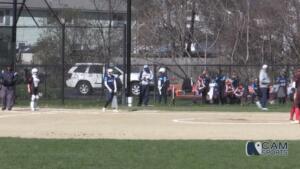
[123, 154]
[181, 105]
[19, 153]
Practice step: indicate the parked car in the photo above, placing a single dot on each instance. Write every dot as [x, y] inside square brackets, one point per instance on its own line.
[88, 76]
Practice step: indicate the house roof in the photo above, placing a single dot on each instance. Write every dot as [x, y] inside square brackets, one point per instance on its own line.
[118, 6]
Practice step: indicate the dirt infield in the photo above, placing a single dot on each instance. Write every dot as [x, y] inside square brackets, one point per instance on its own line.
[143, 124]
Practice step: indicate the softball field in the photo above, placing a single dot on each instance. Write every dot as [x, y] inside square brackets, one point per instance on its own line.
[146, 124]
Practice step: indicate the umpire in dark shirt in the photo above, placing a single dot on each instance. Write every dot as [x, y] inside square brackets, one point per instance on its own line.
[8, 82]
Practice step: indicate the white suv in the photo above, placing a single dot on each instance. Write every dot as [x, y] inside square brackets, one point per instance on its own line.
[87, 76]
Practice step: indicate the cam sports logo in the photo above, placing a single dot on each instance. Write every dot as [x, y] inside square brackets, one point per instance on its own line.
[266, 148]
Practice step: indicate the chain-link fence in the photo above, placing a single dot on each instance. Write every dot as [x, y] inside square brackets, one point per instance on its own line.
[72, 49]
[77, 72]
[84, 80]
[85, 45]
[5, 44]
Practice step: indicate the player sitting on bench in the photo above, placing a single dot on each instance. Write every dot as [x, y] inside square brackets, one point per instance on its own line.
[239, 94]
[229, 91]
[200, 85]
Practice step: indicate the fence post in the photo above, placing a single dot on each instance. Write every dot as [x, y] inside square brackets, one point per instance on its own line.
[128, 49]
[14, 35]
[45, 81]
[124, 65]
[155, 81]
[287, 73]
[63, 64]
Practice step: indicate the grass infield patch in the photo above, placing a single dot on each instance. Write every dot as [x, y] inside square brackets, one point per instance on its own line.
[136, 154]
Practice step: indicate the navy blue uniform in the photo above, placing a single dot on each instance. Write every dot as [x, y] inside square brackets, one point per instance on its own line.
[1, 80]
[220, 80]
[8, 82]
[282, 90]
[281, 81]
[110, 81]
[206, 89]
[235, 82]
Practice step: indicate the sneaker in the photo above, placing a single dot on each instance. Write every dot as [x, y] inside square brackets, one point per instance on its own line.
[3, 108]
[258, 104]
[295, 122]
[103, 109]
[116, 110]
[265, 109]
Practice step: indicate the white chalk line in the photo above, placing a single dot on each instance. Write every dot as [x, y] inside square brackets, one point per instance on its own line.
[110, 112]
[192, 121]
[16, 113]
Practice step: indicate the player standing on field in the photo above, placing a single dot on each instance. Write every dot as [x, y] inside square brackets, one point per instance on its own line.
[264, 82]
[146, 76]
[8, 81]
[33, 82]
[282, 81]
[163, 85]
[111, 87]
[297, 96]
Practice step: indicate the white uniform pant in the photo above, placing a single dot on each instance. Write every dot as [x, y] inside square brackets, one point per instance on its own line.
[34, 101]
[114, 103]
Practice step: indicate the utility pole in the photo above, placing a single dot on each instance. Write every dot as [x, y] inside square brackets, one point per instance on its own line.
[128, 39]
[14, 35]
[124, 65]
[63, 25]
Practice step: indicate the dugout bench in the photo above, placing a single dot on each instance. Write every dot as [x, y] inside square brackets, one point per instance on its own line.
[178, 94]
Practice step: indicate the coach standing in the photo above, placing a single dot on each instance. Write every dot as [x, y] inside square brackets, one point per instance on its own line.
[8, 82]
[264, 82]
[146, 76]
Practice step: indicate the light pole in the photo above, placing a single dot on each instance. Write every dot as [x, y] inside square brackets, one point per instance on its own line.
[128, 52]
[14, 35]
[63, 31]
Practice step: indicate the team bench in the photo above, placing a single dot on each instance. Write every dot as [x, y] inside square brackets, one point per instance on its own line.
[178, 93]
